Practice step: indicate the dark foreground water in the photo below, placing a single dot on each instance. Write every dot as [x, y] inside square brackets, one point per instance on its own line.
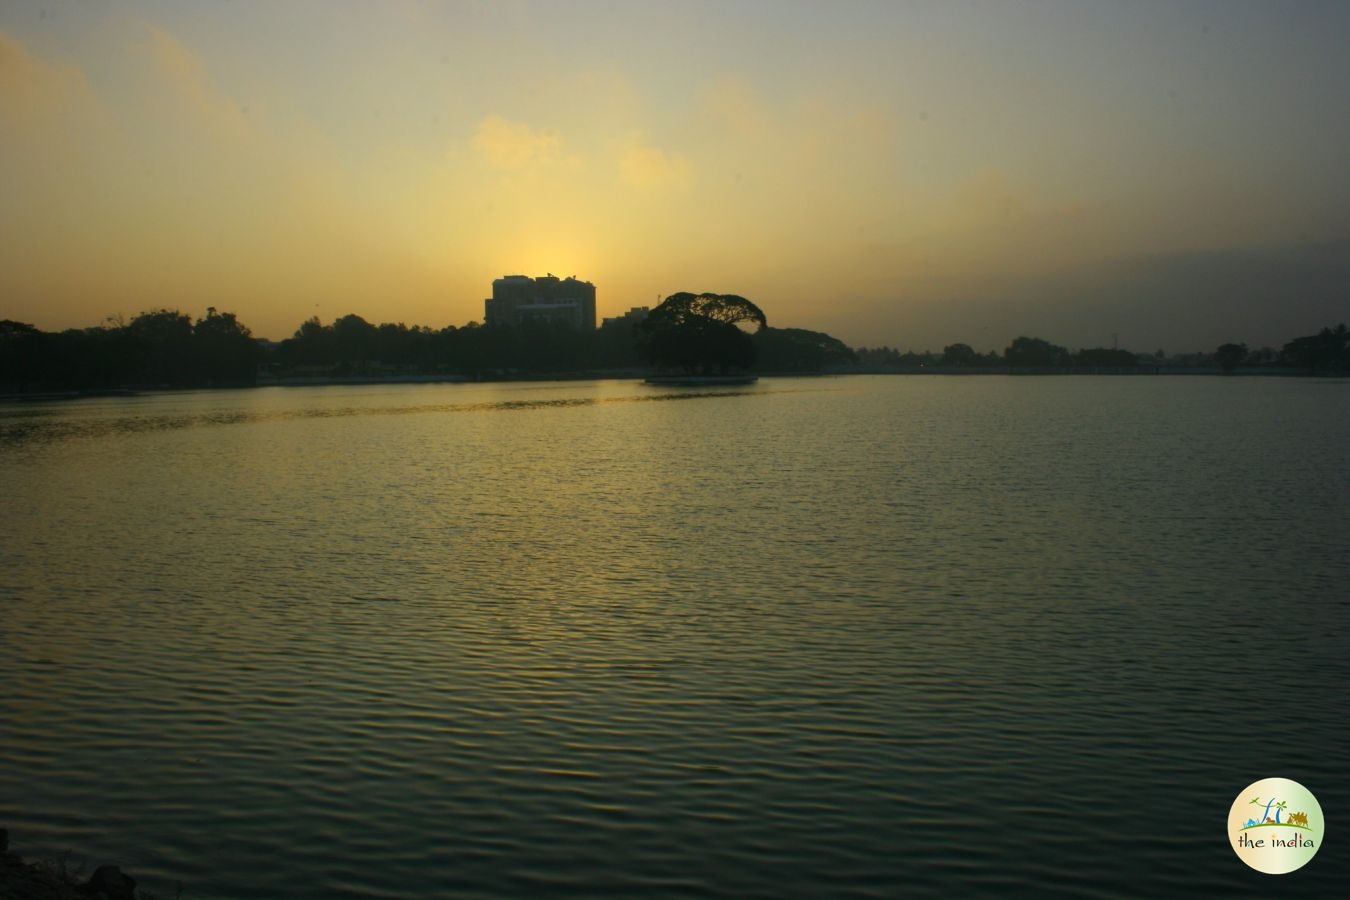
[858, 636]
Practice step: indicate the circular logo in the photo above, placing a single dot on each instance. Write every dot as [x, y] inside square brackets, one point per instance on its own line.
[1276, 826]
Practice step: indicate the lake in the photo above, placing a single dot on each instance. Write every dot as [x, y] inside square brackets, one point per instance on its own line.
[855, 636]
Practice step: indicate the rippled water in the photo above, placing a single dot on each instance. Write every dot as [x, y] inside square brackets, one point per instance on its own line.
[855, 636]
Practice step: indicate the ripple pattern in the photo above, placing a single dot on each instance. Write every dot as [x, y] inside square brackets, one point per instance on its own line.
[857, 637]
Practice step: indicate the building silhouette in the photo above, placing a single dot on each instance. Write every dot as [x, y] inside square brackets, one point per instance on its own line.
[632, 317]
[519, 298]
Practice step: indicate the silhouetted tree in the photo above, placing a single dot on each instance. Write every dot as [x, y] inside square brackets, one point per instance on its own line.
[225, 350]
[1230, 356]
[1026, 352]
[157, 348]
[616, 345]
[700, 332]
[1328, 350]
[465, 350]
[543, 345]
[164, 337]
[22, 355]
[354, 339]
[798, 350]
[1105, 358]
[960, 355]
[311, 345]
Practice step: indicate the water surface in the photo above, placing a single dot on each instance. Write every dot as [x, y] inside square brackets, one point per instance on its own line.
[843, 636]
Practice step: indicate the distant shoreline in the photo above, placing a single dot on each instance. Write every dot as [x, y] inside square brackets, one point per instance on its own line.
[1053, 370]
[540, 378]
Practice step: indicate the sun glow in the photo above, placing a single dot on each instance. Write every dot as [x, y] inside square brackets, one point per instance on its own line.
[187, 155]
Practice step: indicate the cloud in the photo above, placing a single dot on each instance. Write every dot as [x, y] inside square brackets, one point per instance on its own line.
[184, 72]
[645, 166]
[989, 198]
[733, 103]
[832, 128]
[34, 92]
[515, 145]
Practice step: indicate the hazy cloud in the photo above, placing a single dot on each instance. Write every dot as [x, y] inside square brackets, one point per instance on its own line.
[185, 73]
[1176, 301]
[736, 106]
[645, 166]
[33, 91]
[515, 145]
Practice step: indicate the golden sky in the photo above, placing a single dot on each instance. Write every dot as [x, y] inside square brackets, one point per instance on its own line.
[902, 173]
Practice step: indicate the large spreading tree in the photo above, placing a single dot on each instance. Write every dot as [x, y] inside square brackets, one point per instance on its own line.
[701, 333]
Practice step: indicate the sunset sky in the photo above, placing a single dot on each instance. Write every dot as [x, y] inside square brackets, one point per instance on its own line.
[911, 174]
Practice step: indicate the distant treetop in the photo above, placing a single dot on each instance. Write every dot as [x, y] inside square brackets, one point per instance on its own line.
[681, 308]
[700, 332]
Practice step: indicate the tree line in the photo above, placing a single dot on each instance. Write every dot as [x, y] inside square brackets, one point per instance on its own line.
[352, 346]
[1326, 352]
[1023, 353]
[167, 348]
[1322, 353]
[160, 348]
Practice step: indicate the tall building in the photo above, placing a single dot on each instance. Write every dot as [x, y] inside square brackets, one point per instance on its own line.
[519, 298]
[632, 317]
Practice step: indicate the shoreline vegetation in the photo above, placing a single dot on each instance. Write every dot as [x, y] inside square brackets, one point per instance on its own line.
[167, 349]
[45, 879]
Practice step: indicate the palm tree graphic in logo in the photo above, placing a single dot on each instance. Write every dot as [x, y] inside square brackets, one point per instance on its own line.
[1296, 820]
